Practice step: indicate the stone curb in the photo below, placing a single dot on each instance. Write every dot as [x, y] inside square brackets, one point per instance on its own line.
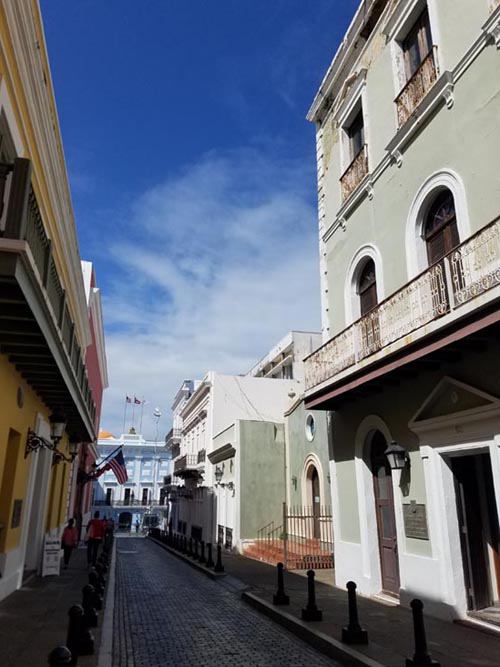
[106, 647]
[188, 561]
[318, 640]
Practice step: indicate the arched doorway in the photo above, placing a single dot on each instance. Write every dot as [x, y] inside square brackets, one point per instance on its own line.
[440, 227]
[384, 507]
[125, 521]
[313, 493]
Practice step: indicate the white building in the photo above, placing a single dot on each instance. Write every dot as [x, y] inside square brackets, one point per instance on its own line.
[142, 498]
[286, 359]
[407, 122]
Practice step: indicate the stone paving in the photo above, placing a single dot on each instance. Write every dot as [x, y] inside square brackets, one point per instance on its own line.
[166, 613]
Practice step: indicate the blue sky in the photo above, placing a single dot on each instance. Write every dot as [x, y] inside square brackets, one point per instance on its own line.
[193, 178]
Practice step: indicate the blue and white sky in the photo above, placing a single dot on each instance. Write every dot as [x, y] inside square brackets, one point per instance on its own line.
[193, 178]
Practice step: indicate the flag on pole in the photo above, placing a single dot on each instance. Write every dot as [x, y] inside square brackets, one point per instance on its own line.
[137, 401]
[128, 399]
[117, 465]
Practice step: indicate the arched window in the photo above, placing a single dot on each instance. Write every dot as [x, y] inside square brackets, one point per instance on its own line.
[440, 227]
[367, 287]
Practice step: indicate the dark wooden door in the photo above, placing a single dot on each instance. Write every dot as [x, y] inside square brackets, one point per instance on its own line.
[386, 522]
[316, 504]
[474, 528]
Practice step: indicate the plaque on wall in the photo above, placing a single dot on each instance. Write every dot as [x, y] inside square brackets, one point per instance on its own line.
[415, 520]
[16, 514]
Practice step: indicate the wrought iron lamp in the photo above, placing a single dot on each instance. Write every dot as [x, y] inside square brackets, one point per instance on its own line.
[73, 451]
[36, 442]
[397, 456]
[294, 482]
[218, 474]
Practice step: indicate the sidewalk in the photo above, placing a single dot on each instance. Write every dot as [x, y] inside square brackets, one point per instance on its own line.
[389, 626]
[34, 619]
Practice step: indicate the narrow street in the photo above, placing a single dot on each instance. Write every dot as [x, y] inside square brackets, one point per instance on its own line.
[166, 613]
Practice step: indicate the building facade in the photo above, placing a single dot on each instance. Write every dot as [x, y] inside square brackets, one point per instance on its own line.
[44, 319]
[142, 500]
[409, 204]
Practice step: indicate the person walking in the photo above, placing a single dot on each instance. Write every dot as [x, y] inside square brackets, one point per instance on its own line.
[69, 541]
[95, 536]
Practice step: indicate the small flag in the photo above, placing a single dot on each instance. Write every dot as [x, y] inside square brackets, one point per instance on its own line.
[117, 465]
[128, 399]
[137, 401]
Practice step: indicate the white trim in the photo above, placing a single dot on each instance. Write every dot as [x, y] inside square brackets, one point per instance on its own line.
[416, 251]
[312, 460]
[356, 265]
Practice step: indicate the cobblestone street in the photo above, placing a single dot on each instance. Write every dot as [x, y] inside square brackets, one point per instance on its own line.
[168, 614]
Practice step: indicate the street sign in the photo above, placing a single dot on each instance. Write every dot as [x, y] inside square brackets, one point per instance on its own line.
[51, 556]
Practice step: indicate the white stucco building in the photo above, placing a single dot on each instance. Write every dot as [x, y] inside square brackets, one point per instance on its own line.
[407, 121]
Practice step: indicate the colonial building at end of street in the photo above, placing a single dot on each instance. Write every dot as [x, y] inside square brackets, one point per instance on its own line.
[142, 501]
[407, 128]
[52, 355]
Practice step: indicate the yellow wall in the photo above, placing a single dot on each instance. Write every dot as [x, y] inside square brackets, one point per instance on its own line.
[14, 468]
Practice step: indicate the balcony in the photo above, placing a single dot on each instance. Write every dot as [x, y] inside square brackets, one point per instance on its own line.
[36, 329]
[173, 438]
[175, 451]
[417, 87]
[158, 502]
[189, 466]
[448, 290]
[354, 173]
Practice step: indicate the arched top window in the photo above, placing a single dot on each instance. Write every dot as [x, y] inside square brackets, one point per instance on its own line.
[440, 227]
[367, 287]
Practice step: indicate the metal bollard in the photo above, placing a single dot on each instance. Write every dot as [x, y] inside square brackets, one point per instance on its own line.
[202, 559]
[60, 656]
[280, 598]
[89, 612]
[95, 581]
[75, 627]
[353, 633]
[311, 612]
[210, 562]
[421, 657]
[218, 565]
[196, 555]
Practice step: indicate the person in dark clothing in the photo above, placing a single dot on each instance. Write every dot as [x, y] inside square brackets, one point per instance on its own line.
[69, 541]
[95, 536]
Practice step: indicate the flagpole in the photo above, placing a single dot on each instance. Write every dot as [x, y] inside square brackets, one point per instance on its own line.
[133, 413]
[109, 456]
[142, 410]
[124, 414]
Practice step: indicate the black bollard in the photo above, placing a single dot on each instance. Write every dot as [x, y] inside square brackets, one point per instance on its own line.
[202, 559]
[184, 546]
[218, 565]
[353, 633]
[311, 612]
[210, 562]
[98, 590]
[190, 547]
[89, 612]
[75, 627]
[196, 555]
[100, 571]
[60, 656]
[421, 657]
[280, 598]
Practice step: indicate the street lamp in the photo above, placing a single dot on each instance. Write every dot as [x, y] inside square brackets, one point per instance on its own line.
[397, 456]
[35, 442]
[218, 474]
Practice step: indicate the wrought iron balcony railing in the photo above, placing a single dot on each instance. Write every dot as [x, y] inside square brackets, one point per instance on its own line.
[354, 173]
[202, 455]
[417, 87]
[173, 437]
[186, 462]
[466, 272]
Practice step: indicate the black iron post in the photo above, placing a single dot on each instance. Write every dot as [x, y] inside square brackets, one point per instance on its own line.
[60, 656]
[190, 547]
[90, 614]
[280, 598]
[421, 657]
[210, 562]
[311, 612]
[196, 554]
[353, 633]
[98, 589]
[218, 565]
[202, 558]
[75, 627]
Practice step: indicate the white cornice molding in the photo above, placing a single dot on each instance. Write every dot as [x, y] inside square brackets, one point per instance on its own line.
[96, 309]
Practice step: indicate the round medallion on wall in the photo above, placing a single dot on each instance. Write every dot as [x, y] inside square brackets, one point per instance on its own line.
[20, 397]
[310, 427]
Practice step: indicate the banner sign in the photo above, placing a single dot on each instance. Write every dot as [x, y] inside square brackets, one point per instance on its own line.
[51, 556]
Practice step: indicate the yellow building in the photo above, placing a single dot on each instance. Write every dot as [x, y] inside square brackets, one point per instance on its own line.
[44, 321]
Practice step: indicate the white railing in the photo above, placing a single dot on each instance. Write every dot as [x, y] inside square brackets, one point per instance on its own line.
[468, 271]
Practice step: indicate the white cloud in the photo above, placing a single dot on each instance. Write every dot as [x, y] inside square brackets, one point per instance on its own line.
[216, 266]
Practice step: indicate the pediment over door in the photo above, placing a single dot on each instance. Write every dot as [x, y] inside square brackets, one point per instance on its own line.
[454, 404]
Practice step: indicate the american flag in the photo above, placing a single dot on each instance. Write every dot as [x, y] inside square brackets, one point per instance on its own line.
[117, 465]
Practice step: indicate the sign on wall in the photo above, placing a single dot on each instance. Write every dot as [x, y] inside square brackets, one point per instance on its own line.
[415, 520]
